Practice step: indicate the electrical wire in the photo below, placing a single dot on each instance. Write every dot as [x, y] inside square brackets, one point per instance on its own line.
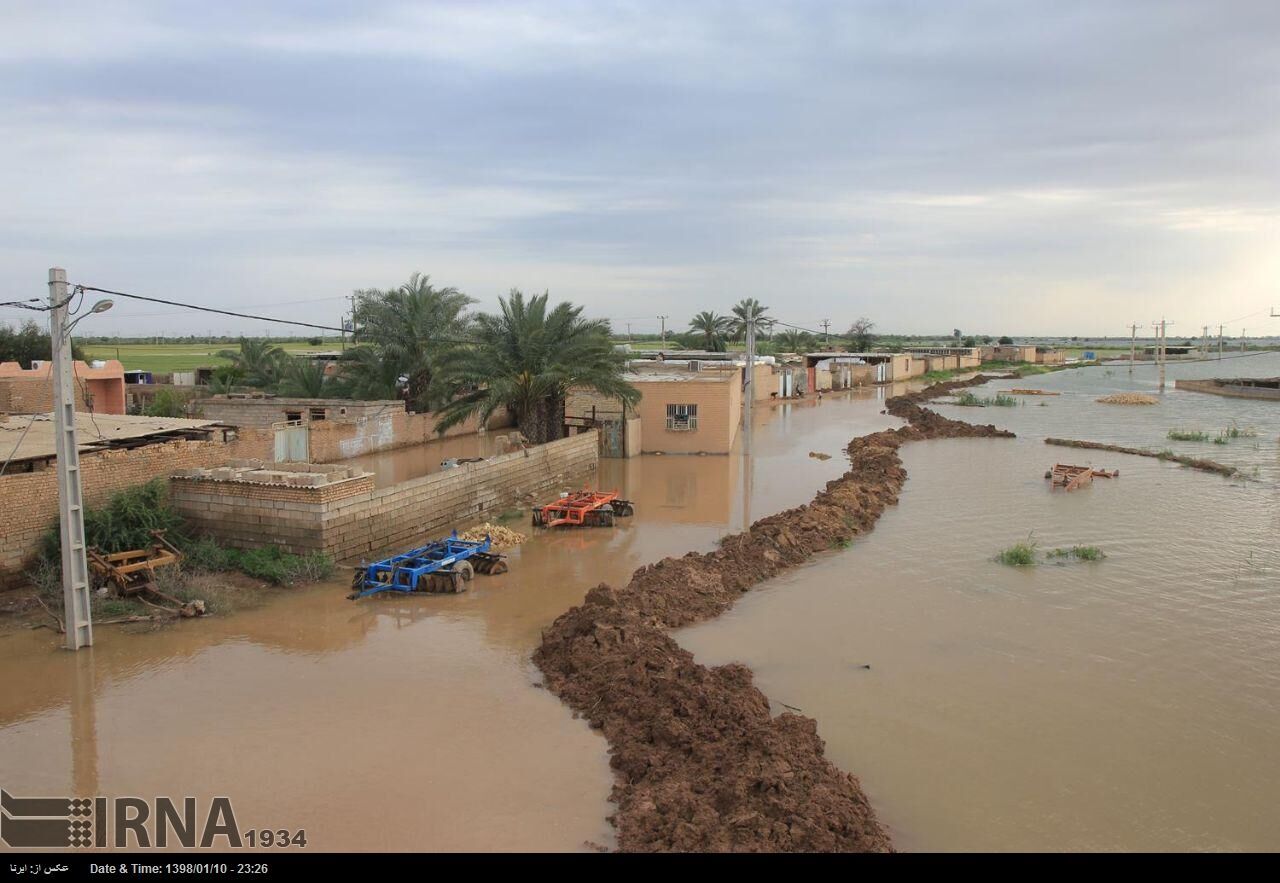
[257, 318]
[14, 452]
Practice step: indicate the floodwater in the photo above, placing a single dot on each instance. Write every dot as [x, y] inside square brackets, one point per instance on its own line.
[1128, 704]
[395, 723]
[403, 464]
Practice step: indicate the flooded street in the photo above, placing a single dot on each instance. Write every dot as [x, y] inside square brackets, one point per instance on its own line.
[404, 723]
[1128, 704]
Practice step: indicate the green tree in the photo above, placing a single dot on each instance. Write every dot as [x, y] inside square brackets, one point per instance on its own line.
[417, 329]
[860, 334]
[225, 379]
[303, 378]
[27, 343]
[258, 362]
[794, 341]
[746, 309]
[1006, 341]
[366, 374]
[711, 330]
[527, 357]
[167, 403]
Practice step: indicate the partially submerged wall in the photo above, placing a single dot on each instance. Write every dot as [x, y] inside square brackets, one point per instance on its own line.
[333, 440]
[29, 500]
[349, 518]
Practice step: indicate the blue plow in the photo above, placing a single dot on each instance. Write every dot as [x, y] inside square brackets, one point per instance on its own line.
[442, 566]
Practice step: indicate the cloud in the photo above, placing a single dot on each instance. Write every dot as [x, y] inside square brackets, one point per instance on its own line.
[1019, 166]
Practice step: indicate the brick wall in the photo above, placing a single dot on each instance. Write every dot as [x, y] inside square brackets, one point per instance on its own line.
[353, 519]
[719, 413]
[29, 501]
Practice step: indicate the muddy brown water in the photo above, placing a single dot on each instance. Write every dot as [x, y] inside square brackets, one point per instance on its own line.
[1130, 704]
[405, 723]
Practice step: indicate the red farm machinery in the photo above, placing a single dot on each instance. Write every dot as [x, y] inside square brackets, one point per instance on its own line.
[583, 509]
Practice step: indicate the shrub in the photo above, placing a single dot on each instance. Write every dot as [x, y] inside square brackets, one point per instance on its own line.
[1187, 435]
[124, 523]
[1019, 554]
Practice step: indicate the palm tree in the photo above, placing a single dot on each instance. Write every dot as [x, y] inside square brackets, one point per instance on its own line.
[417, 328]
[258, 362]
[303, 378]
[225, 379]
[793, 341]
[367, 375]
[527, 358]
[711, 329]
[747, 309]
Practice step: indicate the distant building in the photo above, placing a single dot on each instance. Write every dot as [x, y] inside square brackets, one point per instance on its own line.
[99, 387]
[262, 410]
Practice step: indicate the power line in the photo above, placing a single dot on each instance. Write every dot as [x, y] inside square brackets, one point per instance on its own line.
[174, 303]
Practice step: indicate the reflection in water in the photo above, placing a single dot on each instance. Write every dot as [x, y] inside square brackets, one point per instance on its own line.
[312, 711]
[1131, 704]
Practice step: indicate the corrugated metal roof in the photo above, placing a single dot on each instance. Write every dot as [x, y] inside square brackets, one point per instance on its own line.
[20, 443]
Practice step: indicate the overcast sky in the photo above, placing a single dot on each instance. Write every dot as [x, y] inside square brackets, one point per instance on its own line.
[1020, 167]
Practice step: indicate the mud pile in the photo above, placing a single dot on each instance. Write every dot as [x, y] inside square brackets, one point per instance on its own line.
[701, 763]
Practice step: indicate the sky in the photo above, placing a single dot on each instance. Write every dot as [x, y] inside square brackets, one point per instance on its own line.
[1023, 167]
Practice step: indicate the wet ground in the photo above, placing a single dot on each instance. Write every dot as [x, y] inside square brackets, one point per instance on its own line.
[1129, 704]
[407, 723]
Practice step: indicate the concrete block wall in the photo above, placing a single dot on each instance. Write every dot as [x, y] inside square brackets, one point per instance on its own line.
[352, 519]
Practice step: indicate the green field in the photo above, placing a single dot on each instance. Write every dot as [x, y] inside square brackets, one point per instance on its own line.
[167, 357]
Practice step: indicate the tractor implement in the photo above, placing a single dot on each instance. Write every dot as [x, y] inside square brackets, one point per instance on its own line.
[444, 566]
[583, 509]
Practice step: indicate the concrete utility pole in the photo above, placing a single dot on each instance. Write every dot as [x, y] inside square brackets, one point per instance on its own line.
[353, 320]
[1133, 345]
[1161, 350]
[1219, 341]
[1242, 337]
[75, 565]
[748, 383]
[663, 320]
[826, 324]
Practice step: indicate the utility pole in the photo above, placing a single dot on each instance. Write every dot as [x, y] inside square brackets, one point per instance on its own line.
[353, 320]
[628, 332]
[663, 320]
[1242, 337]
[1161, 351]
[748, 384]
[75, 565]
[826, 324]
[1219, 341]
[1133, 345]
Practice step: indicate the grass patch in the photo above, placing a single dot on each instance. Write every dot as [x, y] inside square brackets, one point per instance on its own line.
[1187, 435]
[1019, 554]
[968, 399]
[1082, 553]
[271, 563]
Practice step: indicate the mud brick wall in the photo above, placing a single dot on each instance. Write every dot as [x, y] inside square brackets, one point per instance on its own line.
[29, 501]
[352, 519]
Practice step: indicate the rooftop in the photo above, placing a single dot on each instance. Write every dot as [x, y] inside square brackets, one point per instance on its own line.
[95, 432]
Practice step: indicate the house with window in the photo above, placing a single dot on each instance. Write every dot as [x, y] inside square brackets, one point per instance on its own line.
[689, 412]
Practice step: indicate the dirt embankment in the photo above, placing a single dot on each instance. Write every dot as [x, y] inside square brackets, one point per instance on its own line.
[701, 763]
[1191, 462]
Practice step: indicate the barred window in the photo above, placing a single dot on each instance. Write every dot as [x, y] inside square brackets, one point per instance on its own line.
[682, 418]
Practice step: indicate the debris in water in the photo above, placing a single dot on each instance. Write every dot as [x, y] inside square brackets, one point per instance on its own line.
[1129, 398]
[502, 537]
[818, 455]
[1032, 392]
